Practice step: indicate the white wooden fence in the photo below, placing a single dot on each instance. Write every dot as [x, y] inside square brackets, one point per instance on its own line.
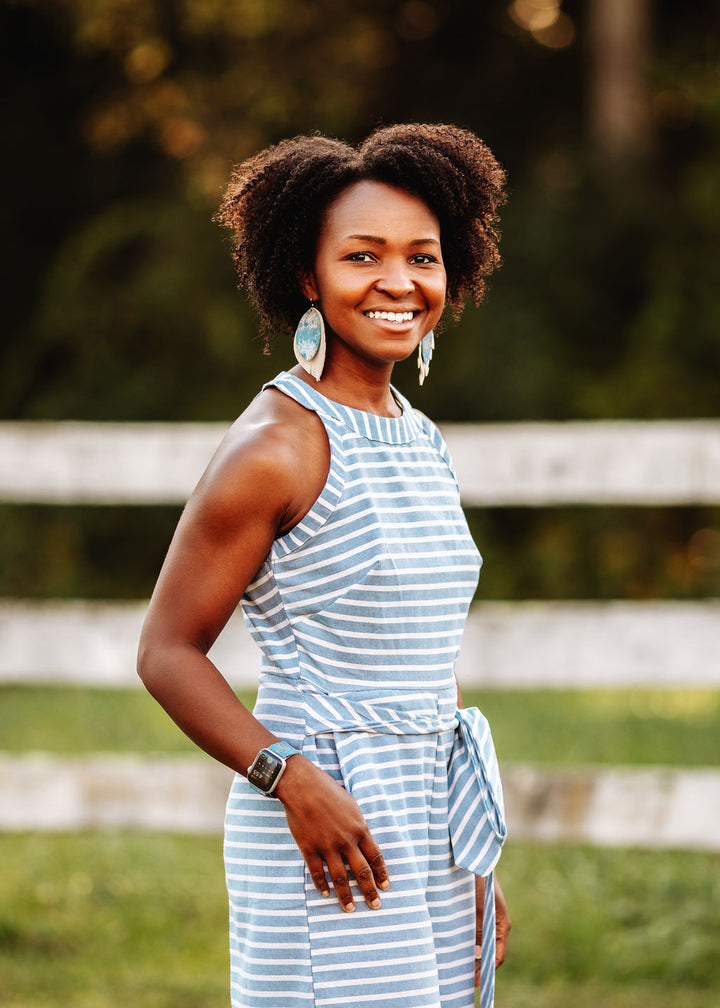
[592, 462]
[528, 644]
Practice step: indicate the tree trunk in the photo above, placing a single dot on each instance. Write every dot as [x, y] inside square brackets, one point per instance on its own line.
[619, 56]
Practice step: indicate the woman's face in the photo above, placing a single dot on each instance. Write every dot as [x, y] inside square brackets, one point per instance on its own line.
[379, 276]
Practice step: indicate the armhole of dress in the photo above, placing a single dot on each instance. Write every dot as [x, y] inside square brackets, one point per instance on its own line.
[438, 442]
[330, 494]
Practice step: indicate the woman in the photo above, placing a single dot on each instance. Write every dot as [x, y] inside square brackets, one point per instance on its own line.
[331, 512]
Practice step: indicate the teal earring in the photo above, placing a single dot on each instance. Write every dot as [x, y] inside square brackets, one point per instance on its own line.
[425, 352]
[309, 342]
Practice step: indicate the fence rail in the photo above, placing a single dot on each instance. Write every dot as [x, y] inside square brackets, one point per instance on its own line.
[521, 644]
[506, 644]
[608, 806]
[525, 464]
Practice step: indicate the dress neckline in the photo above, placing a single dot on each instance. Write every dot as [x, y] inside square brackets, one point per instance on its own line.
[390, 430]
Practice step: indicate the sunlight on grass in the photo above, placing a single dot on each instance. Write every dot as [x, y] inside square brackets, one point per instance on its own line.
[634, 726]
[699, 706]
[674, 727]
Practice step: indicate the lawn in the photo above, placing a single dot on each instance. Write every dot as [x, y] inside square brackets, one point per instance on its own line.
[118, 920]
[110, 921]
[634, 726]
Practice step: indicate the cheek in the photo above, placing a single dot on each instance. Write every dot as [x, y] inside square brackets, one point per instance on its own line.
[440, 294]
[338, 287]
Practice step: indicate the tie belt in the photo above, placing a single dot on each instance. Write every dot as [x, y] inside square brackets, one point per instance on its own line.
[476, 814]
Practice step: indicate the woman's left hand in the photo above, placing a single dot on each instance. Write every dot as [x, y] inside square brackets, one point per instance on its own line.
[502, 923]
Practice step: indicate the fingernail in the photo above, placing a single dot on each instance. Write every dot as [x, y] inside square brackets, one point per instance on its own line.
[385, 884]
[349, 907]
[325, 892]
[376, 903]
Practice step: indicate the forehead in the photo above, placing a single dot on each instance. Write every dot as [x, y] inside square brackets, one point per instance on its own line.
[375, 208]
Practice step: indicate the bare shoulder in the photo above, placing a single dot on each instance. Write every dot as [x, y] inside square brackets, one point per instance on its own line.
[274, 459]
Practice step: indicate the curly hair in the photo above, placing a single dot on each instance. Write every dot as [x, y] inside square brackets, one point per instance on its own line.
[276, 202]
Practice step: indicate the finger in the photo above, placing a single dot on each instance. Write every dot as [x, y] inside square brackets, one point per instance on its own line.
[317, 874]
[365, 879]
[341, 882]
[502, 925]
[502, 930]
[374, 858]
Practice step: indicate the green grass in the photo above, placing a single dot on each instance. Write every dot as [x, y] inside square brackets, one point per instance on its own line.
[513, 993]
[93, 921]
[77, 720]
[109, 921]
[632, 726]
[614, 916]
[674, 727]
[118, 920]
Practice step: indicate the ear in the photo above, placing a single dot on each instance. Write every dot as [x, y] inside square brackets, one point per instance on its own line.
[309, 287]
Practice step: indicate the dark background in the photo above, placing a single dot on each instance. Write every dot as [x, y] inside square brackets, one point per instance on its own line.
[121, 120]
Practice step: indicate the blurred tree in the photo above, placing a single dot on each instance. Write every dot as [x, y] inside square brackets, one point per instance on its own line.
[620, 115]
[124, 117]
[121, 119]
[152, 103]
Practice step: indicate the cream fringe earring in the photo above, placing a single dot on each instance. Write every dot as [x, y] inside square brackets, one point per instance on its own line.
[425, 352]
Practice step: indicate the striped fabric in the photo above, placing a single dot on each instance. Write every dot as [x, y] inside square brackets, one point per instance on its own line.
[359, 613]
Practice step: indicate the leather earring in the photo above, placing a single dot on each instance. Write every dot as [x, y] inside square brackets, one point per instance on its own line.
[425, 352]
[309, 342]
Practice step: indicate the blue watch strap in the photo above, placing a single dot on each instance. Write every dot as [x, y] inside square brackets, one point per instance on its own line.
[283, 749]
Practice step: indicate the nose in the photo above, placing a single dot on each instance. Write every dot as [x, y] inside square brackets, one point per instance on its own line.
[395, 278]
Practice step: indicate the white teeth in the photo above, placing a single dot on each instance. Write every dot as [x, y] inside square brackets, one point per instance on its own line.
[390, 316]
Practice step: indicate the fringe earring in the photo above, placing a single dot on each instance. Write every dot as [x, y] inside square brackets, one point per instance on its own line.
[309, 342]
[425, 352]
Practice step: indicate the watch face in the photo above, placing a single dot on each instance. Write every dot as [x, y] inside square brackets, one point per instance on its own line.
[265, 770]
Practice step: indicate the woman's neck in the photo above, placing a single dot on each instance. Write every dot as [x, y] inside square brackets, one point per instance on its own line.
[359, 387]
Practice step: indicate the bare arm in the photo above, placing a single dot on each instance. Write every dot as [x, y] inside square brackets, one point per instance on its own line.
[224, 534]
[258, 486]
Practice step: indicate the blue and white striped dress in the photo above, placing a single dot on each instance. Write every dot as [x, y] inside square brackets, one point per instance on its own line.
[359, 612]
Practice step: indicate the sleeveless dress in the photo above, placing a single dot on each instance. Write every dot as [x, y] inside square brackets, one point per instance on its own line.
[359, 612]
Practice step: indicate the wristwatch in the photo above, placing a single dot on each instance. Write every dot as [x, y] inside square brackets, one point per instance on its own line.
[269, 766]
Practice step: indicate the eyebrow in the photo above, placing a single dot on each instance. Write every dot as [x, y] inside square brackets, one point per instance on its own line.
[382, 241]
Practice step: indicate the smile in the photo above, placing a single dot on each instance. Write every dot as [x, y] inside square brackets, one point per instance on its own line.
[391, 316]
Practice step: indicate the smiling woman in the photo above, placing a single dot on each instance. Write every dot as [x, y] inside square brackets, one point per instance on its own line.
[277, 202]
[331, 512]
[379, 277]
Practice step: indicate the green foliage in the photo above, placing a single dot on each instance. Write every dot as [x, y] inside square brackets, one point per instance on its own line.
[83, 552]
[543, 553]
[597, 552]
[607, 305]
[133, 323]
